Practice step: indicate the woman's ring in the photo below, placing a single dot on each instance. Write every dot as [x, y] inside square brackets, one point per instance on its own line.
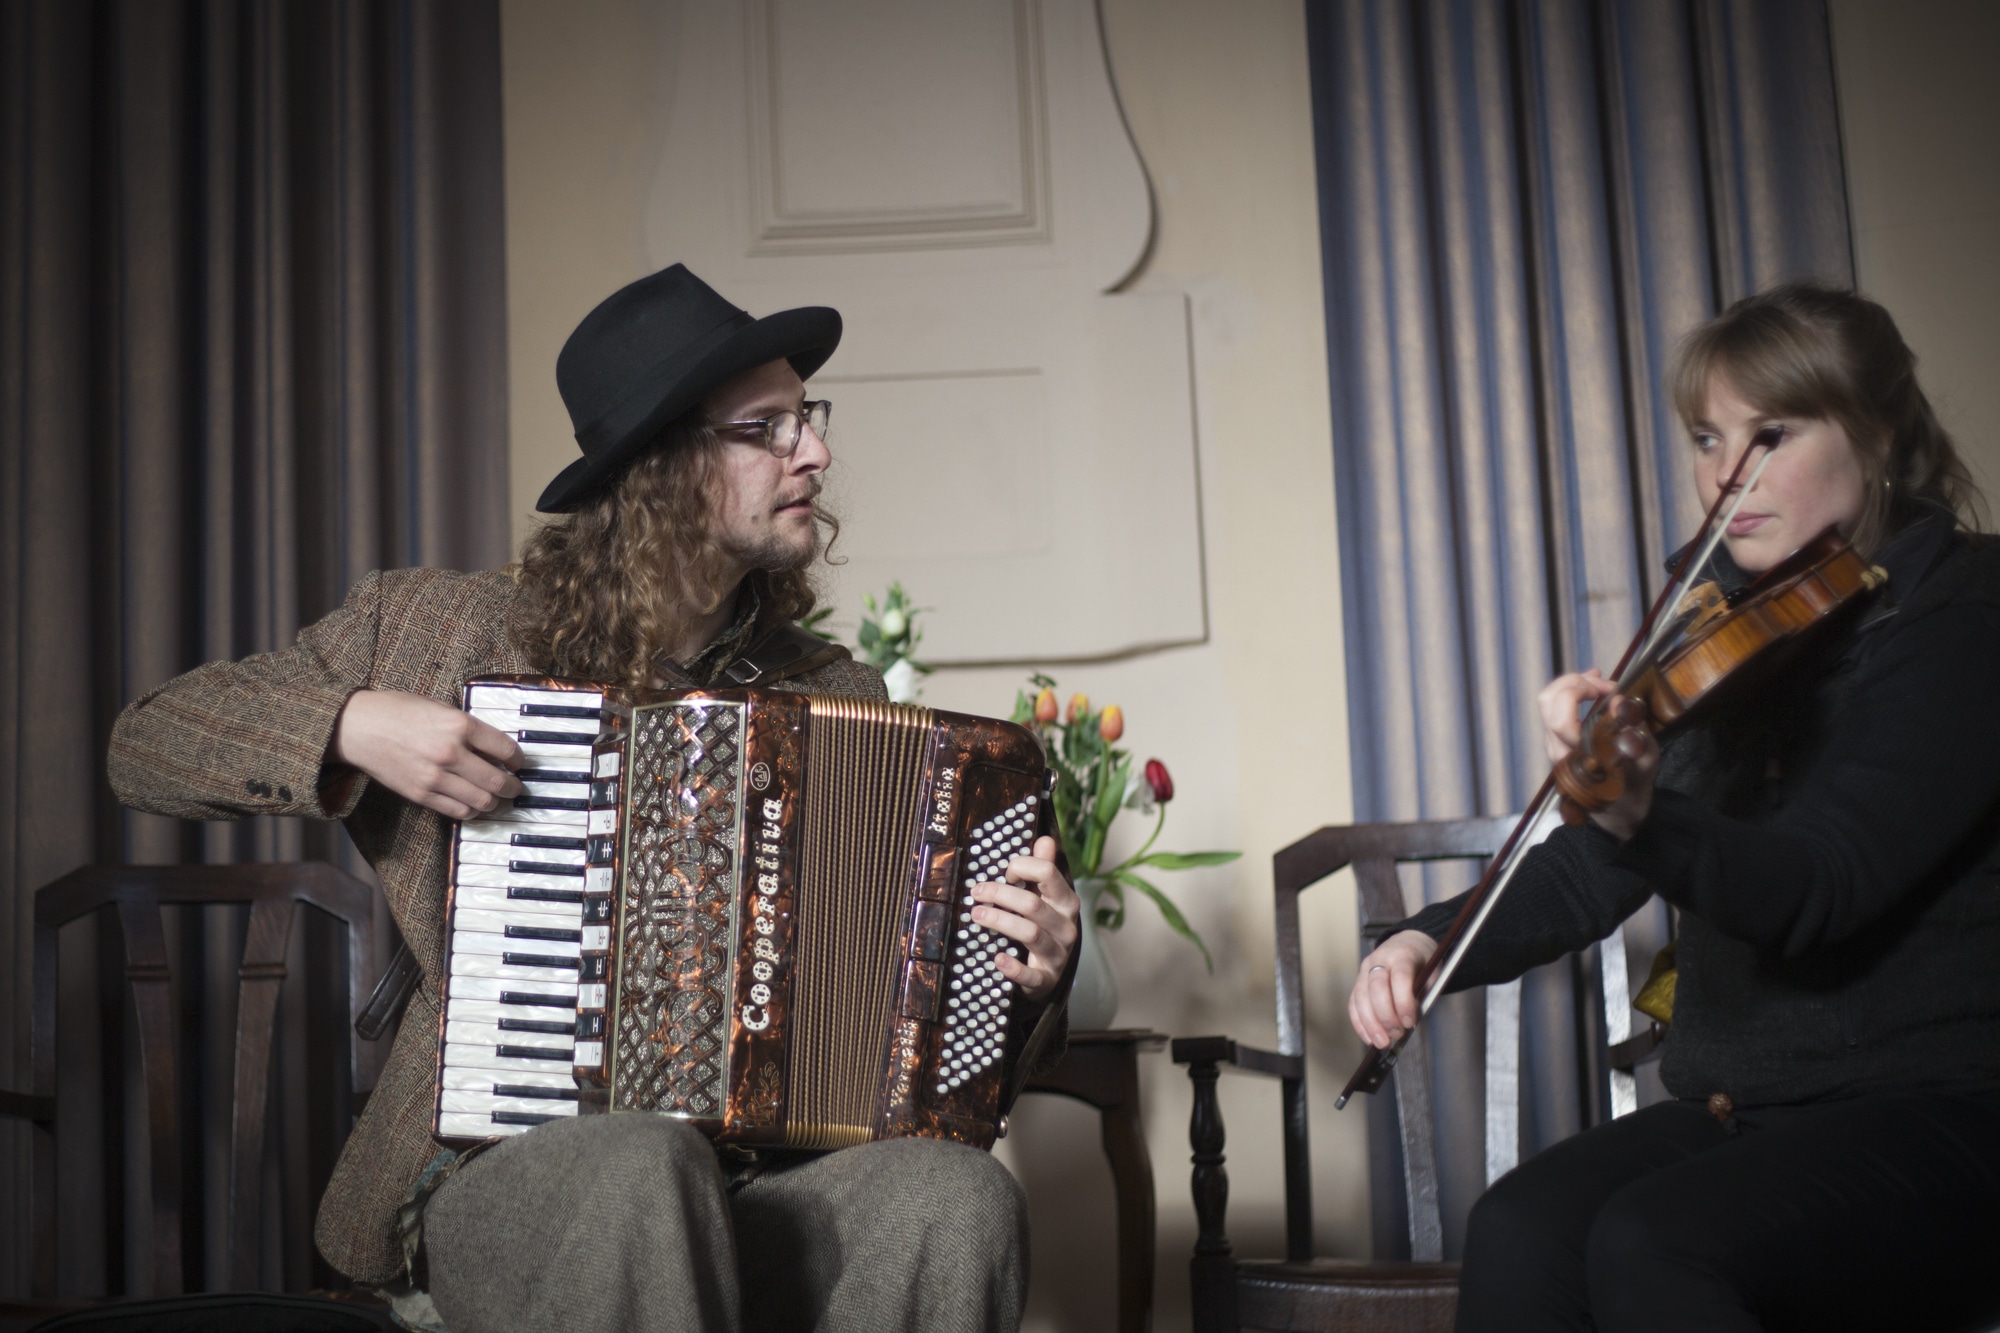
[1377, 968]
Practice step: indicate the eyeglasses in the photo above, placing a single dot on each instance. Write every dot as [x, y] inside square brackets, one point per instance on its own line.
[781, 431]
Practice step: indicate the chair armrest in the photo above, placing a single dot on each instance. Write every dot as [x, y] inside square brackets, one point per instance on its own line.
[1629, 1055]
[22, 1106]
[1228, 1051]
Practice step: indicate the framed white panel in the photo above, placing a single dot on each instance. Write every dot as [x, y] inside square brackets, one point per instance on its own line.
[895, 123]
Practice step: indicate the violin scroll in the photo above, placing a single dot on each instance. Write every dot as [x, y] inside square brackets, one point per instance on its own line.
[1592, 776]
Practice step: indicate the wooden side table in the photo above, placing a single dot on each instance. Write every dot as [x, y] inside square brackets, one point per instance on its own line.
[1102, 1070]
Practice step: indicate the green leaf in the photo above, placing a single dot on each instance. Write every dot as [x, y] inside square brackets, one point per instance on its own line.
[1111, 918]
[1187, 860]
[1112, 794]
[1173, 916]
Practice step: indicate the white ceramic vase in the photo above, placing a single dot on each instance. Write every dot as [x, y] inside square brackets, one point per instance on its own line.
[1093, 997]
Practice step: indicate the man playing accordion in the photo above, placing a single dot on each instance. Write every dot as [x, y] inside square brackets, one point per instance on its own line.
[680, 557]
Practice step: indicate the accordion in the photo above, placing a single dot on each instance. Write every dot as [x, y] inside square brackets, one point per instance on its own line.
[747, 908]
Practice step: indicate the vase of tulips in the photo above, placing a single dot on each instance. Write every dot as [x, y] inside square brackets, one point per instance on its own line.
[1095, 782]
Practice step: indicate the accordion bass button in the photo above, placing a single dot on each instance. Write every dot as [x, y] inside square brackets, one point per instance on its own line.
[1000, 1128]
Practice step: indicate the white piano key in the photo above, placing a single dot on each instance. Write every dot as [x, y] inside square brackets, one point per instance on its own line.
[606, 765]
[514, 722]
[590, 995]
[489, 1034]
[514, 696]
[590, 1054]
[482, 1080]
[603, 821]
[500, 876]
[464, 1055]
[482, 932]
[597, 879]
[460, 1125]
[562, 791]
[560, 998]
[459, 1009]
[479, 830]
[489, 965]
[554, 754]
[459, 1099]
[499, 852]
[496, 900]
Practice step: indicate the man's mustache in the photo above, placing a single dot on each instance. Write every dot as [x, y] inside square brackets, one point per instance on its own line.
[806, 496]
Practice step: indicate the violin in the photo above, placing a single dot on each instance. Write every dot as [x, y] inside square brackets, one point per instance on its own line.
[1714, 646]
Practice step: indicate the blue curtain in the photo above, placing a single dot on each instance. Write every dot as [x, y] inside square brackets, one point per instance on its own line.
[252, 345]
[1522, 206]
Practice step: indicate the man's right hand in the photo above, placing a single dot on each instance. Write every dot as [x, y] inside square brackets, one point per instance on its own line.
[436, 755]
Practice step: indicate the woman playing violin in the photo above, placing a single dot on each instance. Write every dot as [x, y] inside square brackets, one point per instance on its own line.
[1831, 1155]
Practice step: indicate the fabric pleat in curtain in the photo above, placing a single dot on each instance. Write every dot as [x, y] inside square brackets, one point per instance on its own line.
[251, 346]
[1523, 205]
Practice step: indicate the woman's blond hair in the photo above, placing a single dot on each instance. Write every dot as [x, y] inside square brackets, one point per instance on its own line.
[1809, 350]
[607, 589]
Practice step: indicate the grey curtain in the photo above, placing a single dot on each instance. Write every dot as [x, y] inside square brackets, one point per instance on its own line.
[251, 346]
[1522, 206]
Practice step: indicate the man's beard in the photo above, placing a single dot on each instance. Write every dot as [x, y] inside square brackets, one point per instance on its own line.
[781, 553]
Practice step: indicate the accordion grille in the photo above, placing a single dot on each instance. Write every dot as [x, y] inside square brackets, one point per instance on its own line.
[863, 767]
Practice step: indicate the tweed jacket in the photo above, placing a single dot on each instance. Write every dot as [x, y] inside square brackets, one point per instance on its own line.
[231, 739]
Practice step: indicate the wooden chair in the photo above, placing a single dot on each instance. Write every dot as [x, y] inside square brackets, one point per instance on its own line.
[134, 896]
[1408, 1286]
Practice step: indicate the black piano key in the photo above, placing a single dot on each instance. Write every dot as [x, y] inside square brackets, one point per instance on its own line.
[552, 775]
[544, 840]
[560, 710]
[589, 1025]
[547, 895]
[604, 792]
[594, 967]
[602, 849]
[548, 1027]
[530, 801]
[552, 1054]
[597, 910]
[538, 998]
[536, 960]
[544, 933]
[524, 1090]
[555, 737]
[523, 1118]
[544, 868]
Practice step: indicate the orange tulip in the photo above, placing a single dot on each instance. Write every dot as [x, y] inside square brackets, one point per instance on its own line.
[1045, 706]
[1079, 707]
[1111, 724]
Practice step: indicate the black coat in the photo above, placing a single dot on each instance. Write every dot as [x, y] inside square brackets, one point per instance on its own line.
[1833, 844]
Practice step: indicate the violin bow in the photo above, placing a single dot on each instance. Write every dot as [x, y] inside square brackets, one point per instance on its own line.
[1479, 904]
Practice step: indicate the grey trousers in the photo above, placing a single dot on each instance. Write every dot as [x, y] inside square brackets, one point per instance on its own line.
[624, 1222]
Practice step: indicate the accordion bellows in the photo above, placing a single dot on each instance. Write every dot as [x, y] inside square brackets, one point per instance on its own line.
[745, 908]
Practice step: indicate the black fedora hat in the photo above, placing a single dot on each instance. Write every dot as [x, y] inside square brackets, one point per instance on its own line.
[651, 351]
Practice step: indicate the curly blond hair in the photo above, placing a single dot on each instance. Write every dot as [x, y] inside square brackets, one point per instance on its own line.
[607, 590]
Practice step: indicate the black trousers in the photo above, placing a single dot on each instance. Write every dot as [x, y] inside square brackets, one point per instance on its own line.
[1879, 1212]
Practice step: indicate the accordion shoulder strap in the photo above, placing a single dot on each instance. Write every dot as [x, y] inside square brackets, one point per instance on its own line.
[784, 651]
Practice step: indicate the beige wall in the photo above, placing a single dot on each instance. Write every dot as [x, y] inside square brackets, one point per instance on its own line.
[1920, 123]
[1253, 721]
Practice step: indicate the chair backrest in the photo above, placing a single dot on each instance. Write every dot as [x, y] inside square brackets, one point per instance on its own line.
[134, 896]
[1406, 1214]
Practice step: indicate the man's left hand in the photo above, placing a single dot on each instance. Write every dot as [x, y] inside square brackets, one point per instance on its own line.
[1037, 909]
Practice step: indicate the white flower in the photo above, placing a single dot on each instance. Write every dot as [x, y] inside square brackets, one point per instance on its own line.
[901, 678]
[894, 623]
[1139, 795]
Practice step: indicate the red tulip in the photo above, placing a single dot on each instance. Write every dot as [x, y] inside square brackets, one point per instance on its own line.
[1079, 706]
[1161, 781]
[1045, 706]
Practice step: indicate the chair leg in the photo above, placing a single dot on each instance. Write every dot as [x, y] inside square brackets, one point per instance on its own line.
[1212, 1272]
